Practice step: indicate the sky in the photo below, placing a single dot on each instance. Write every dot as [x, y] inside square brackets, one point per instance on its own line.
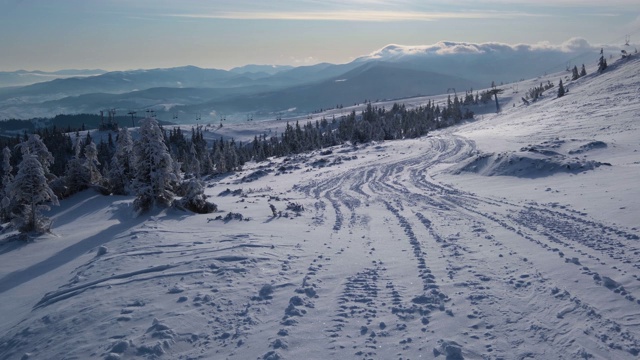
[140, 34]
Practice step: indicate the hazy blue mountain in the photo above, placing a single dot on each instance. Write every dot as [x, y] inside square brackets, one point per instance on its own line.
[369, 81]
[126, 81]
[394, 71]
[260, 69]
[24, 77]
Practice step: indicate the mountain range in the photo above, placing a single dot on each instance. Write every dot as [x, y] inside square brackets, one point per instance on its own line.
[262, 91]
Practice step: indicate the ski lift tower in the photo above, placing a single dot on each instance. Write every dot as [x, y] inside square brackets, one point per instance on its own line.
[112, 119]
[495, 92]
[133, 121]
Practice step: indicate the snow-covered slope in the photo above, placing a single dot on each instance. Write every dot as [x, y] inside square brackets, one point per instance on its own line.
[476, 242]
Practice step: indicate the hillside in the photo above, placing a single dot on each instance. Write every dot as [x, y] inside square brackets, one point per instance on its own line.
[511, 236]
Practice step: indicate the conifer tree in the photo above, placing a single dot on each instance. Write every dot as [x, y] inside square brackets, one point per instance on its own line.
[7, 179]
[602, 62]
[120, 174]
[583, 72]
[34, 146]
[31, 193]
[574, 73]
[91, 163]
[153, 167]
[77, 178]
[560, 89]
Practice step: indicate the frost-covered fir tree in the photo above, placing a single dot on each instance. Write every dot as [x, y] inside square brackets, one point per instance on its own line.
[194, 164]
[7, 179]
[31, 192]
[77, 177]
[91, 163]
[194, 199]
[36, 147]
[153, 166]
[583, 71]
[560, 89]
[120, 174]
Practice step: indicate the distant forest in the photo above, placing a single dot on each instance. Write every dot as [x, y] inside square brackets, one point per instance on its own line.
[67, 123]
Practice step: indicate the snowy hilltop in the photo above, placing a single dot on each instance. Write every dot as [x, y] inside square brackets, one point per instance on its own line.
[510, 235]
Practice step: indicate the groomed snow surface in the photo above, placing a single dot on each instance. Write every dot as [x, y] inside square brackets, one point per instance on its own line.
[510, 237]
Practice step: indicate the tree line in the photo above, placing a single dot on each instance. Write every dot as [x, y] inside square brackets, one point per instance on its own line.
[157, 164]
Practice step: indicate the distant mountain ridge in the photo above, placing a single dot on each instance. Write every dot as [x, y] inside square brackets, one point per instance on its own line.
[395, 71]
[25, 77]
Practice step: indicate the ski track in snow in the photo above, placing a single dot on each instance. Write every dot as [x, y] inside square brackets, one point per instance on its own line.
[386, 262]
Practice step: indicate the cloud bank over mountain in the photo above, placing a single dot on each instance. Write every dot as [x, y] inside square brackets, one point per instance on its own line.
[394, 52]
[492, 61]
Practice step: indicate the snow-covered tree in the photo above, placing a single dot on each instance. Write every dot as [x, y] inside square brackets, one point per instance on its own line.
[194, 199]
[120, 174]
[36, 147]
[153, 166]
[77, 178]
[583, 71]
[31, 192]
[193, 163]
[560, 89]
[91, 163]
[7, 179]
[82, 171]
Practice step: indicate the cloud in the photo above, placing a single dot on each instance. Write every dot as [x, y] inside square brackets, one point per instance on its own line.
[395, 52]
[303, 61]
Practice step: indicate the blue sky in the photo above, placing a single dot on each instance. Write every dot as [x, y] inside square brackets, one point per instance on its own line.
[132, 34]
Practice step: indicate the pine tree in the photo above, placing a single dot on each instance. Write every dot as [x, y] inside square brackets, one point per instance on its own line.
[602, 62]
[574, 74]
[583, 72]
[91, 163]
[194, 199]
[34, 146]
[7, 179]
[560, 89]
[31, 192]
[77, 178]
[120, 174]
[194, 163]
[153, 166]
